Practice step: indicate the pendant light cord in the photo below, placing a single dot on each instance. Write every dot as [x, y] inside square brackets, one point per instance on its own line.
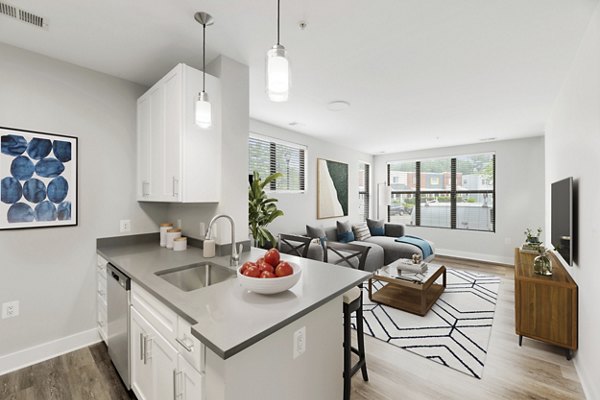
[203, 57]
[278, 22]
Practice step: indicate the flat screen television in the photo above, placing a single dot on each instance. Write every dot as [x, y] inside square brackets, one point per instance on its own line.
[561, 204]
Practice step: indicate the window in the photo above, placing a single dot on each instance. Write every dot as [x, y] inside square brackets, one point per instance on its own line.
[268, 156]
[364, 190]
[453, 192]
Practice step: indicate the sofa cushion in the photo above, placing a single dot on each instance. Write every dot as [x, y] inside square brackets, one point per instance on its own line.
[394, 250]
[376, 227]
[375, 257]
[331, 233]
[394, 230]
[315, 232]
[344, 232]
[361, 231]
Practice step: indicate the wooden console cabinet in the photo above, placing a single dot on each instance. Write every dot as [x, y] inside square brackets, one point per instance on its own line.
[545, 306]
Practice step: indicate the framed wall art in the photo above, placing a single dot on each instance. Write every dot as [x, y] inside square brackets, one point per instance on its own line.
[38, 173]
[332, 189]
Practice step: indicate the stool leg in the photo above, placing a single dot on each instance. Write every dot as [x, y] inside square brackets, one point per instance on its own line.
[347, 351]
[361, 342]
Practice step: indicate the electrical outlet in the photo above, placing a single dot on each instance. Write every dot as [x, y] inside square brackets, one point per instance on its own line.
[125, 226]
[299, 342]
[10, 309]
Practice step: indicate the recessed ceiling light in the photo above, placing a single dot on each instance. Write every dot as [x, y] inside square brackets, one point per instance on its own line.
[488, 139]
[338, 105]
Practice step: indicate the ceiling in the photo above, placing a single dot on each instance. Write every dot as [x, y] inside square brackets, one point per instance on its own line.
[418, 73]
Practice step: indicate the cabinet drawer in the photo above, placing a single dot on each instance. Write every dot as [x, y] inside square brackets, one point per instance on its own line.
[188, 346]
[101, 266]
[101, 289]
[101, 321]
[163, 319]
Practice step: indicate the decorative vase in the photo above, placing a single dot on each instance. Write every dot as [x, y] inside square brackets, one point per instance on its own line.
[542, 265]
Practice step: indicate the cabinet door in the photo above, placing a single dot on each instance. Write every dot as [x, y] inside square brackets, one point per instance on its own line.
[141, 368]
[190, 381]
[172, 148]
[156, 143]
[164, 367]
[143, 149]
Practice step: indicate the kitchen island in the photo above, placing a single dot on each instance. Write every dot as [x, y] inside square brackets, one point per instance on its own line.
[252, 348]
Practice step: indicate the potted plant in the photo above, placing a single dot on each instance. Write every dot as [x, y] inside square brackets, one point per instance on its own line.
[262, 210]
[532, 237]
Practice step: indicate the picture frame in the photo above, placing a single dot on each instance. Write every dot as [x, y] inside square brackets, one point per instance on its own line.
[38, 179]
[332, 189]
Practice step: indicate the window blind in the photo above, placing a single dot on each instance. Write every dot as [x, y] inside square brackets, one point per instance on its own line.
[268, 156]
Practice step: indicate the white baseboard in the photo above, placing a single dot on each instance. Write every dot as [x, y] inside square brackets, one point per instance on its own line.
[45, 351]
[475, 256]
[588, 383]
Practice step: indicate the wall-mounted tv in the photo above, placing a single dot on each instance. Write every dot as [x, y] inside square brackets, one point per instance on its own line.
[561, 203]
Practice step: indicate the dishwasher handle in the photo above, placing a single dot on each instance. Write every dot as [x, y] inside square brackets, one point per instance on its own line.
[123, 280]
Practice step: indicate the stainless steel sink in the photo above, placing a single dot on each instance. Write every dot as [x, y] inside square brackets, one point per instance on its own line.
[196, 276]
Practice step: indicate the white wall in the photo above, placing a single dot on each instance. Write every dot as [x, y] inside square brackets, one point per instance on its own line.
[573, 149]
[234, 161]
[301, 208]
[519, 198]
[52, 271]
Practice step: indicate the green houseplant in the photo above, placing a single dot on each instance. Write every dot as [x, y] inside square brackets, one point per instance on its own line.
[262, 210]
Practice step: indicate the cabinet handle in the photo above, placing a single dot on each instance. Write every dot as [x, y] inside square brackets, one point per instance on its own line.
[175, 184]
[145, 185]
[141, 347]
[182, 342]
[176, 393]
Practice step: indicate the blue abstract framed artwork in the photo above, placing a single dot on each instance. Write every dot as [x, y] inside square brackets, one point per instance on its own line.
[39, 179]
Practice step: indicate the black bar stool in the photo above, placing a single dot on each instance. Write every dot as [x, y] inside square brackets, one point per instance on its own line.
[353, 256]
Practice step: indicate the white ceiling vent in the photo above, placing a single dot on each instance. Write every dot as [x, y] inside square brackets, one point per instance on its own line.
[22, 15]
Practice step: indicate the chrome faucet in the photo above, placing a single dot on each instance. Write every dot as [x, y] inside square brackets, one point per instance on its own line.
[235, 253]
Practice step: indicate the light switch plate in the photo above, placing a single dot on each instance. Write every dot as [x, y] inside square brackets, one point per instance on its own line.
[10, 309]
[125, 226]
[299, 342]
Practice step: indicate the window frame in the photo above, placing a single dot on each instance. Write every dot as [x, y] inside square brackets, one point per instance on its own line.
[273, 142]
[454, 193]
[367, 192]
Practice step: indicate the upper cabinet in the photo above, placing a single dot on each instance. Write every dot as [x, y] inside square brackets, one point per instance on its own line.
[178, 161]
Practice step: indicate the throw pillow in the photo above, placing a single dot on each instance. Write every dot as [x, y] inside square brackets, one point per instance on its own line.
[361, 231]
[316, 233]
[376, 227]
[344, 232]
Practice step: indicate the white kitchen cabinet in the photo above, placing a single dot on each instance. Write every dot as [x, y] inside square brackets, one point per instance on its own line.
[177, 161]
[101, 304]
[190, 382]
[154, 369]
[166, 360]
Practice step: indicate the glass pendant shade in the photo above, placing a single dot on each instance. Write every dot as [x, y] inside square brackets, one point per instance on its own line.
[203, 111]
[278, 74]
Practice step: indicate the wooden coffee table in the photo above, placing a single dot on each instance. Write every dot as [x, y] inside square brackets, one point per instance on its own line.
[413, 297]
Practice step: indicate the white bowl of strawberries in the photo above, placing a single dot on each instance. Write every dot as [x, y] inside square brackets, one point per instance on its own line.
[268, 274]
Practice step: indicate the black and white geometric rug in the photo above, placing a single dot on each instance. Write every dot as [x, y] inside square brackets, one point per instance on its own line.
[454, 333]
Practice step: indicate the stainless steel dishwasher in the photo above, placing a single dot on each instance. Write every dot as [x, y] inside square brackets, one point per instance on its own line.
[118, 286]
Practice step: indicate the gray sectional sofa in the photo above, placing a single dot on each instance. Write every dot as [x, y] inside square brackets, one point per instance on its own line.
[384, 249]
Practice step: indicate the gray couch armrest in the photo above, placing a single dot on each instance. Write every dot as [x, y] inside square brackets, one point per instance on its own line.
[394, 230]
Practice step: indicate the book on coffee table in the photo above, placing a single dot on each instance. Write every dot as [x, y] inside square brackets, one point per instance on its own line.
[406, 265]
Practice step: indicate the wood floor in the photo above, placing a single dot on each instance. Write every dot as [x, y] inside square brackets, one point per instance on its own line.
[534, 371]
[85, 374]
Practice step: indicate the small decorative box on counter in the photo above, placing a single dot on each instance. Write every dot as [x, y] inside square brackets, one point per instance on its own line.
[172, 234]
[163, 233]
[180, 244]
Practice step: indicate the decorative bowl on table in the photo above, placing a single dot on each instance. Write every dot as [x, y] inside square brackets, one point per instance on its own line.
[270, 285]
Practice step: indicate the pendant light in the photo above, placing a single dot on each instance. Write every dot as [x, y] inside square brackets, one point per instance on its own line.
[203, 108]
[278, 70]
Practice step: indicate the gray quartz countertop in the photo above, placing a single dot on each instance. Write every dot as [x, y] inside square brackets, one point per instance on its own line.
[225, 316]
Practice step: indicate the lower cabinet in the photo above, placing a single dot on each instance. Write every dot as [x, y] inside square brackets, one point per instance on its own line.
[190, 382]
[159, 371]
[153, 362]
